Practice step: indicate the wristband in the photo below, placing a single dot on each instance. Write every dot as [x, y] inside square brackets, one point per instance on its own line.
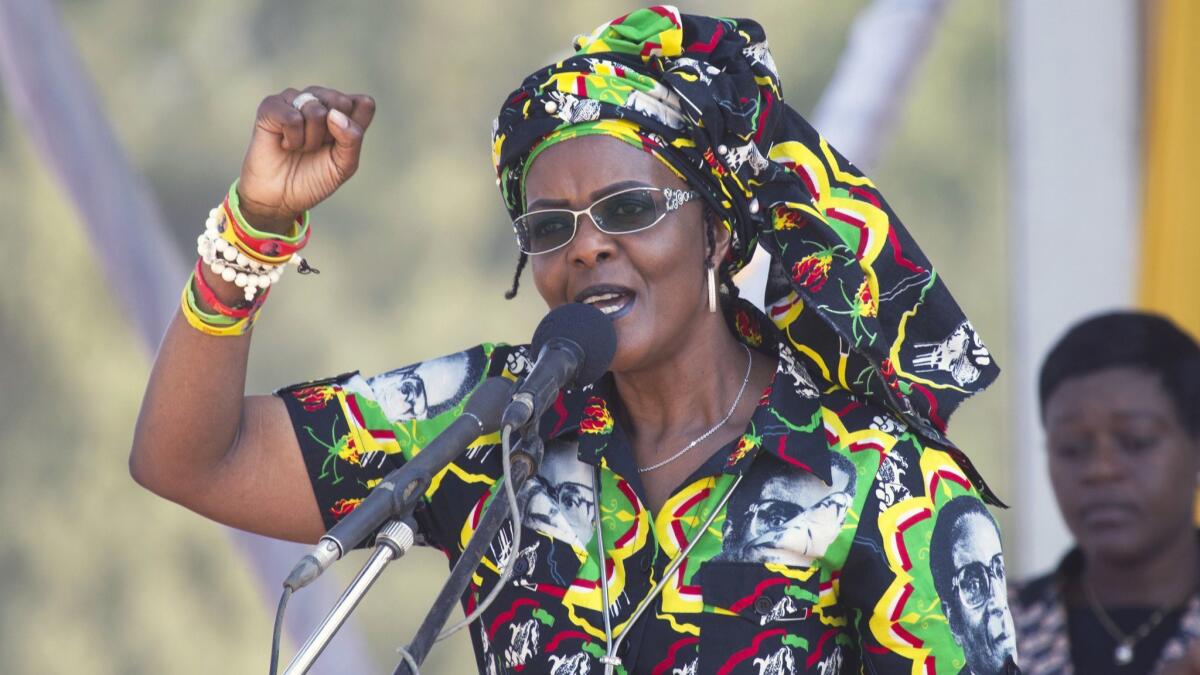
[240, 327]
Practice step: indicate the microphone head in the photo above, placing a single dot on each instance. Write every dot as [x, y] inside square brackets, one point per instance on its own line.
[587, 327]
[487, 402]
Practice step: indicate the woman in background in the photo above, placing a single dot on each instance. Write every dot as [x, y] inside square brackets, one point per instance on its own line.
[1120, 401]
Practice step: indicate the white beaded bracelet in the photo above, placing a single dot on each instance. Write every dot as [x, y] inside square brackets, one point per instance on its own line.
[236, 267]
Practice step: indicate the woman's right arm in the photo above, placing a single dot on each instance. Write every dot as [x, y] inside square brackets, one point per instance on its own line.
[199, 440]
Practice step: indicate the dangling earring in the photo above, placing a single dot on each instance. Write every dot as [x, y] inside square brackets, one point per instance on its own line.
[712, 289]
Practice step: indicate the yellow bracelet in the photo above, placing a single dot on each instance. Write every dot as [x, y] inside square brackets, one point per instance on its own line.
[218, 320]
[242, 326]
[225, 228]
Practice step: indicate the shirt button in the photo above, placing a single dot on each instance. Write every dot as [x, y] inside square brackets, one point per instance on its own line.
[521, 567]
[763, 605]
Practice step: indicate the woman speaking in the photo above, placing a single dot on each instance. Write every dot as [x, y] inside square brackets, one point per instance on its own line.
[741, 492]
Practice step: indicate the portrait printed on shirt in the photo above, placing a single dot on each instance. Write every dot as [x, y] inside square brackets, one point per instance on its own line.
[559, 500]
[425, 390]
[968, 574]
[785, 514]
[961, 354]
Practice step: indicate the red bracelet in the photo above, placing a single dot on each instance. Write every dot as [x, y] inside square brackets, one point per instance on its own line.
[272, 251]
[210, 298]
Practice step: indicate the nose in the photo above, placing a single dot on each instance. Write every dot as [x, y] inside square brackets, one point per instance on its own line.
[998, 600]
[1104, 463]
[590, 246]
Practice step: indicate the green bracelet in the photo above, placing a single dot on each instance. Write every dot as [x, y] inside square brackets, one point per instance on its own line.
[299, 229]
[211, 319]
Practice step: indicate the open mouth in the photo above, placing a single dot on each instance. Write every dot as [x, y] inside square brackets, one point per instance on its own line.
[613, 301]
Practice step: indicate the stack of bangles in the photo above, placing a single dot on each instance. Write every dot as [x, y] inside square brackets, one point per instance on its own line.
[253, 260]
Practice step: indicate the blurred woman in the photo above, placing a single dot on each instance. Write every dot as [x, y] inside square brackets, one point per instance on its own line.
[640, 174]
[1120, 401]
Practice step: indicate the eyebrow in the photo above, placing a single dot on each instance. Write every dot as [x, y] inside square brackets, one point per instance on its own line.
[1155, 416]
[597, 194]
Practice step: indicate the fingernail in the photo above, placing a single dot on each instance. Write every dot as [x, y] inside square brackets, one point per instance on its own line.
[339, 118]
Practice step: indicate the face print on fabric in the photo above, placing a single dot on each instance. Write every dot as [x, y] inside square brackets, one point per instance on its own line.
[801, 380]
[968, 572]
[559, 500]
[427, 389]
[735, 157]
[787, 516]
[962, 354]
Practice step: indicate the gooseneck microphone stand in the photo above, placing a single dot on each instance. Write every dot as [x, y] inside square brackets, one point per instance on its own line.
[392, 542]
[396, 538]
[525, 457]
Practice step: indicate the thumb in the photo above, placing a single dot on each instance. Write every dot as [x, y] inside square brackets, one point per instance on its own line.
[347, 136]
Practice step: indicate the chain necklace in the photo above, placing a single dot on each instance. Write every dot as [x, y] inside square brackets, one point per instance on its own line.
[1123, 654]
[718, 425]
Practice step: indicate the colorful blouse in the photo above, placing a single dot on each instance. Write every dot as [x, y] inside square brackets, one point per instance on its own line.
[818, 558]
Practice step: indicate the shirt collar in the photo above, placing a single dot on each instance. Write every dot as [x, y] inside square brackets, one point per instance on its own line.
[788, 421]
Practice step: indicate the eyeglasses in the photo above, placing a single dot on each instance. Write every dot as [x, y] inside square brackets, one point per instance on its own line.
[624, 212]
[974, 581]
[775, 514]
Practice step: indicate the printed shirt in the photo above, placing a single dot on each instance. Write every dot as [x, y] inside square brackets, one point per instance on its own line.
[819, 560]
[1043, 629]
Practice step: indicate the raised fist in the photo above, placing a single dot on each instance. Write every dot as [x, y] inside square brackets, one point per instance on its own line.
[305, 145]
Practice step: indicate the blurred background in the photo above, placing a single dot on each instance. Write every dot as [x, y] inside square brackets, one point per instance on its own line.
[1039, 151]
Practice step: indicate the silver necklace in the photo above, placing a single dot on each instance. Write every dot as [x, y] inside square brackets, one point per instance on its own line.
[718, 425]
[1123, 654]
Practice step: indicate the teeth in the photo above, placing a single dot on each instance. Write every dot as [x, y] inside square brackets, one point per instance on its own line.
[609, 310]
[603, 297]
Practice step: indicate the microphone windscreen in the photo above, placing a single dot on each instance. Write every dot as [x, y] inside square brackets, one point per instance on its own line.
[488, 400]
[587, 327]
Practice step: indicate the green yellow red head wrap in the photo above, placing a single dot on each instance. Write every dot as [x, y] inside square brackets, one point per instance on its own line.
[851, 292]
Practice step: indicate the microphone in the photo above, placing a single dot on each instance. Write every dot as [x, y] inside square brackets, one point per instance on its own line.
[399, 492]
[574, 344]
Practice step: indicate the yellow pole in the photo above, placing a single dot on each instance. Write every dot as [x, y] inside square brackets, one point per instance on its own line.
[1169, 282]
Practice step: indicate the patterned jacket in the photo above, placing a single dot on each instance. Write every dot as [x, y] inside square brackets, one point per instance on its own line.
[817, 557]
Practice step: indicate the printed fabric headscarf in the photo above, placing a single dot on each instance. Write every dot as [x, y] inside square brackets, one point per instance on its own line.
[850, 290]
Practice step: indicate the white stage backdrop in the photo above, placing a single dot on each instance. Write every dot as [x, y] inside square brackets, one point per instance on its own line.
[1074, 109]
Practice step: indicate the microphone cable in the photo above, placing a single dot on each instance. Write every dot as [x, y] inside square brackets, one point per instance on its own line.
[514, 511]
[409, 660]
[278, 631]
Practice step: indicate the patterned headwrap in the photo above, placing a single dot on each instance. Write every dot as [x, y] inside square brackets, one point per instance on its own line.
[850, 290]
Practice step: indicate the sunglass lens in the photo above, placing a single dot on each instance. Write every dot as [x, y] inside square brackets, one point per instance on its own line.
[629, 211]
[543, 231]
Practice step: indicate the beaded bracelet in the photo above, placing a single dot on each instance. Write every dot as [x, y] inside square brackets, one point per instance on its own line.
[238, 253]
[245, 256]
[234, 266]
[209, 296]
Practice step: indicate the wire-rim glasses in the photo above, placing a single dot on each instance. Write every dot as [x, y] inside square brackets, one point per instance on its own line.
[974, 581]
[623, 212]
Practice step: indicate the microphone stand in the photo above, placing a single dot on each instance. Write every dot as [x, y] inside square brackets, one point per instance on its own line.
[392, 542]
[524, 460]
